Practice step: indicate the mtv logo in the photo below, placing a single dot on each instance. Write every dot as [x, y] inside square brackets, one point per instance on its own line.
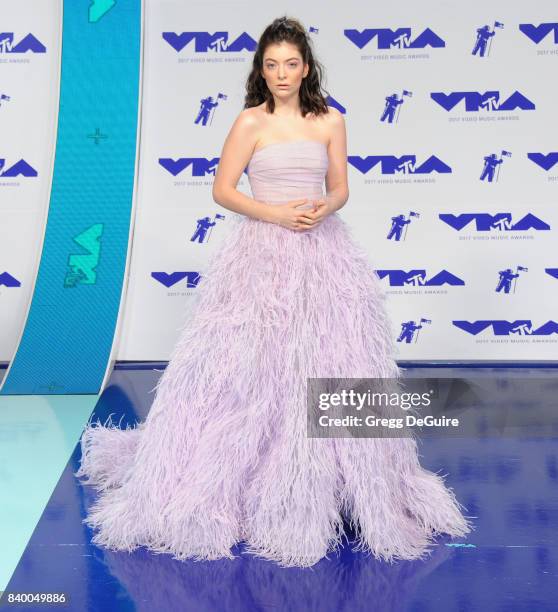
[205, 42]
[522, 327]
[401, 278]
[399, 38]
[475, 101]
[406, 164]
[484, 222]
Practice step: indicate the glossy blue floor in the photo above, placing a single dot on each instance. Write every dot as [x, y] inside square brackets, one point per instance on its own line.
[509, 483]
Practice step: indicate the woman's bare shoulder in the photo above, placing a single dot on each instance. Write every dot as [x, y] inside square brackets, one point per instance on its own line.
[249, 116]
[334, 116]
[329, 123]
[248, 122]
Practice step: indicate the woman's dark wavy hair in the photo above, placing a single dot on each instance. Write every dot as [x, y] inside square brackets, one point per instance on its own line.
[312, 95]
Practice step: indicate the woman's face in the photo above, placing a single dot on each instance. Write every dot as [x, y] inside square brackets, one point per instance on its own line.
[283, 69]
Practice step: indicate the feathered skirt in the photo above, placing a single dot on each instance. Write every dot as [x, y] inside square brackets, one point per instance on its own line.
[223, 456]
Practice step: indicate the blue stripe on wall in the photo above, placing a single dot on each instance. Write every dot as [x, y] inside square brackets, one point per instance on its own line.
[68, 335]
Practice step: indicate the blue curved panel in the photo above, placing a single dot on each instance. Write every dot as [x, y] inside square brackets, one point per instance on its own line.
[66, 343]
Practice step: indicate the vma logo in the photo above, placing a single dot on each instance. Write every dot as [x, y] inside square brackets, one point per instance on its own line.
[406, 164]
[82, 267]
[400, 38]
[200, 166]
[521, 327]
[538, 33]
[476, 101]
[546, 162]
[172, 278]
[20, 168]
[204, 42]
[28, 43]
[415, 278]
[486, 222]
[7, 280]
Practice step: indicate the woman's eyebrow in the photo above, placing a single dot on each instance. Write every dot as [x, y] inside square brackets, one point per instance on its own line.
[287, 60]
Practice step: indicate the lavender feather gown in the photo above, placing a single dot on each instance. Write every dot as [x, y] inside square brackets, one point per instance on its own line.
[223, 456]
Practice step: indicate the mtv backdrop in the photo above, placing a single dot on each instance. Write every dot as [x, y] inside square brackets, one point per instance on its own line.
[29, 78]
[452, 155]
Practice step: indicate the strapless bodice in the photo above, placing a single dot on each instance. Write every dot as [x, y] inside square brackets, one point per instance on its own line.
[288, 170]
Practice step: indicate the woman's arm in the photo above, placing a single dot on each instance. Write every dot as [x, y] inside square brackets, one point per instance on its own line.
[337, 187]
[236, 153]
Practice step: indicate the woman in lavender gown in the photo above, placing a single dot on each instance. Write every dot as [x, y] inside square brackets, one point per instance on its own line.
[223, 456]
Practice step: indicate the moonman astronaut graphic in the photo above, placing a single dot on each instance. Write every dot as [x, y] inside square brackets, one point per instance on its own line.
[484, 34]
[201, 230]
[505, 281]
[206, 106]
[408, 330]
[398, 223]
[392, 102]
[491, 162]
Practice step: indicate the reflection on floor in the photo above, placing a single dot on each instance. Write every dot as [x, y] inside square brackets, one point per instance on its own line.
[509, 562]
